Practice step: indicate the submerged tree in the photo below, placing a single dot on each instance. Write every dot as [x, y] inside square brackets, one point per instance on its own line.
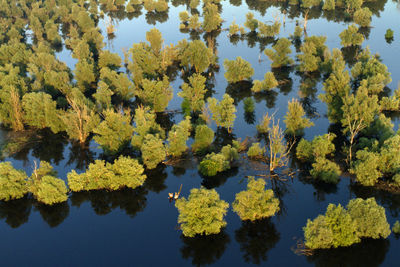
[363, 17]
[237, 70]
[280, 57]
[156, 94]
[13, 183]
[194, 91]
[153, 151]
[212, 19]
[256, 202]
[145, 123]
[351, 36]
[178, 137]
[223, 113]
[202, 213]
[195, 54]
[268, 83]
[295, 120]
[203, 138]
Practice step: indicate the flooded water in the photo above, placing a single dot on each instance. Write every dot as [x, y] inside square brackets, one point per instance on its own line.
[139, 227]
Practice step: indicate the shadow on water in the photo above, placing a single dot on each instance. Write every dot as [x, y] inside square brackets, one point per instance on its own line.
[368, 253]
[204, 250]
[16, 212]
[53, 215]
[256, 239]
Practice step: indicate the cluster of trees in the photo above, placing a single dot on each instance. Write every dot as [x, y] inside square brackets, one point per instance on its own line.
[341, 227]
[203, 212]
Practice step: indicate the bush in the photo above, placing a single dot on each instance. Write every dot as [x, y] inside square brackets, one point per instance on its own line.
[325, 170]
[389, 35]
[212, 164]
[13, 183]
[178, 137]
[396, 228]
[203, 138]
[125, 172]
[351, 36]
[320, 147]
[255, 151]
[256, 202]
[267, 84]
[280, 57]
[237, 70]
[248, 105]
[51, 190]
[363, 17]
[304, 151]
[230, 153]
[202, 213]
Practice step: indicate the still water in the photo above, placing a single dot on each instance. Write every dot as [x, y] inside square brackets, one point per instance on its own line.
[139, 227]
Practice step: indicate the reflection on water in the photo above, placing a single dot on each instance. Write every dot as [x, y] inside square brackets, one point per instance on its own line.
[15, 212]
[204, 250]
[256, 239]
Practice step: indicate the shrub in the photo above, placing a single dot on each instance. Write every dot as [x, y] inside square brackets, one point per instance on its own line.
[212, 164]
[230, 153]
[255, 151]
[13, 183]
[389, 35]
[202, 213]
[237, 70]
[304, 151]
[320, 147]
[256, 202]
[325, 170]
[125, 172]
[366, 168]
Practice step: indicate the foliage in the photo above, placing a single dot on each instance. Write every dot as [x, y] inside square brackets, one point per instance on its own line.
[51, 190]
[325, 170]
[223, 113]
[256, 202]
[251, 23]
[279, 54]
[178, 137]
[194, 91]
[114, 132]
[203, 138]
[396, 228]
[295, 120]
[389, 35]
[278, 149]
[235, 29]
[255, 151]
[202, 213]
[214, 163]
[268, 83]
[351, 37]
[195, 54]
[153, 151]
[156, 94]
[363, 17]
[366, 168]
[212, 19]
[264, 126]
[320, 147]
[124, 172]
[268, 30]
[13, 183]
[248, 104]
[145, 123]
[237, 70]
[329, 5]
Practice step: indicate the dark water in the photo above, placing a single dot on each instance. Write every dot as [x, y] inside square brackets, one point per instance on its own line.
[139, 227]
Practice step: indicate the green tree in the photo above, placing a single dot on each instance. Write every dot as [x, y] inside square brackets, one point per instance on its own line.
[248, 105]
[309, 61]
[268, 30]
[153, 151]
[358, 113]
[255, 151]
[320, 147]
[325, 170]
[194, 91]
[213, 164]
[196, 54]
[295, 120]
[145, 123]
[366, 167]
[124, 172]
[156, 94]
[280, 57]
[212, 19]
[351, 36]
[114, 132]
[237, 70]
[264, 126]
[223, 113]
[329, 5]
[256, 202]
[363, 17]
[202, 213]
[178, 137]
[13, 183]
[396, 228]
[278, 149]
[251, 23]
[268, 83]
[203, 138]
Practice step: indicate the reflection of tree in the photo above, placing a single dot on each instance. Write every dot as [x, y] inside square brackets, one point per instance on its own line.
[53, 215]
[269, 97]
[156, 179]
[220, 179]
[154, 17]
[239, 91]
[321, 189]
[282, 75]
[370, 252]
[16, 212]
[223, 138]
[81, 156]
[256, 238]
[350, 54]
[103, 202]
[204, 249]
[250, 117]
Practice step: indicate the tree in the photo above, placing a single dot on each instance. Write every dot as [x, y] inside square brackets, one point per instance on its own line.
[325, 170]
[362, 17]
[40, 111]
[264, 126]
[237, 70]
[203, 138]
[268, 83]
[156, 94]
[369, 218]
[124, 172]
[178, 137]
[294, 119]
[256, 202]
[278, 149]
[202, 213]
[114, 132]
[196, 54]
[255, 151]
[13, 183]
[251, 23]
[358, 113]
[153, 151]
[329, 5]
[194, 91]
[366, 167]
[214, 163]
[223, 113]
[351, 36]
[212, 20]
[280, 57]
[145, 123]
[309, 61]
[268, 30]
